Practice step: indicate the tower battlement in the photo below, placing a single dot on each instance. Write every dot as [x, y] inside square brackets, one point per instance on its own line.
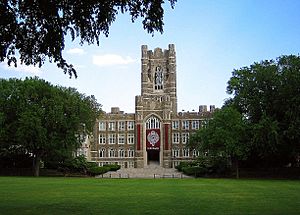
[158, 52]
[158, 76]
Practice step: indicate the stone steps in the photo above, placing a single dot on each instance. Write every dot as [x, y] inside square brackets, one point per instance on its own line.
[150, 171]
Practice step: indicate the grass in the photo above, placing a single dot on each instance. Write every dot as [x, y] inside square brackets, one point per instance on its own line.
[27, 195]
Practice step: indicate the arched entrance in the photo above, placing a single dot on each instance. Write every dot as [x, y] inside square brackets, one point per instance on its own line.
[153, 156]
[153, 140]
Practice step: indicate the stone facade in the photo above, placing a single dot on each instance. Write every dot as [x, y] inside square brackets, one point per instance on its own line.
[156, 132]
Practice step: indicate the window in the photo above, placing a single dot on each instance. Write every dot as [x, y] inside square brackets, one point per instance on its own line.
[130, 153]
[184, 137]
[121, 125]
[152, 122]
[102, 153]
[175, 137]
[195, 124]
[195, 153]
[176, 163]
[185, 125]
[122, 164]
[130, 125]
[121, 153]
[102, 126]
[131, 164]
[81, 151]
[185, 152]
[175, 124]
[111, 138]
[121, 138]
[158, 79]
[175, 153]
[102, 138]
[130, 138]
[111, 153]
[111, 126]
[204, 123]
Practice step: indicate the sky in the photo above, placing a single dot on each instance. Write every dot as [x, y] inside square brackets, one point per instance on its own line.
[212, 38]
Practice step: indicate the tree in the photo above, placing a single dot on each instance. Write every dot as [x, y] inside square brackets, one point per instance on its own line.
[37, 28]
[267, 94]
[224, 135]
[44, 120]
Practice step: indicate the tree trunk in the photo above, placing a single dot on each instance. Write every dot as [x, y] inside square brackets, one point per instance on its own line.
[237, 169]
[36, 165]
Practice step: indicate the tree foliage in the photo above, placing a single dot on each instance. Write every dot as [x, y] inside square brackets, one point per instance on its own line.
[267, 94]
[43, 120]
[261, 122]
[224, 136]
[36, 29]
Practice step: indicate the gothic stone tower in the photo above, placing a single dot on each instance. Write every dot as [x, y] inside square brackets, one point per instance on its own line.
[155, 106]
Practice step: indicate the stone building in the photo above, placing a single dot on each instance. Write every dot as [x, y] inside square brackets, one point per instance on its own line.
[156, 132]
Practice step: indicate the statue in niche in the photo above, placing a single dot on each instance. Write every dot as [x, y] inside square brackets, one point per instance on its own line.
[149, 75]
[167, 75]
[158, 78]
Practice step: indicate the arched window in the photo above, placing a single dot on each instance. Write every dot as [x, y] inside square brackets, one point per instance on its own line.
[102, 153]
[158, 79]
[130, 153]
[121, 153]
[153, 123]
[111, 153]
[175, 153]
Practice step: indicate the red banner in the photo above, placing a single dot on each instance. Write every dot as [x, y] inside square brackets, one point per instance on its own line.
[138, 128]
[153, 139]
[166, 126]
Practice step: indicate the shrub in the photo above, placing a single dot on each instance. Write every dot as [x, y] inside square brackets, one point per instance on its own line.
[183, 164]
[98, 170]
[76, 165]
[91, 165]
[195, 170]
[81, 165]
[93, 169]
[207, 165]
[113, 167]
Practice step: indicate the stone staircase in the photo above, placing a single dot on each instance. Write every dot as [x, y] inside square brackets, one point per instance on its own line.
[151, 171]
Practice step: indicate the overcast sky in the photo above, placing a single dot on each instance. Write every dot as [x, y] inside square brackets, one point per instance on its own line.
[211, 39]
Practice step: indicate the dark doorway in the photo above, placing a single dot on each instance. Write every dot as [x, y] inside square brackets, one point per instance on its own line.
[153, 156]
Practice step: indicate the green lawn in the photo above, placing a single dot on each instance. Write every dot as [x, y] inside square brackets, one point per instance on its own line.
[26, 195]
